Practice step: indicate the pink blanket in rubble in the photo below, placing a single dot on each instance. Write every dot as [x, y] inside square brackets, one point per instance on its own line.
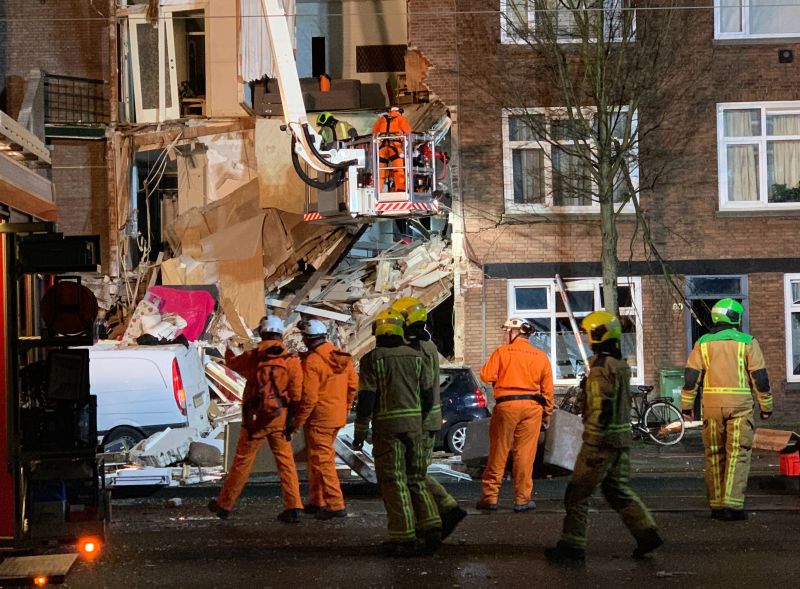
[193, 305]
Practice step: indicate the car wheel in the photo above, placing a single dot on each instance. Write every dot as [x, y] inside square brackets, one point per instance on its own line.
[123, 436]
[456, 436]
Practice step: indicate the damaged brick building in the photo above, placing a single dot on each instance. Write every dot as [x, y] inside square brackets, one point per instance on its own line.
[720, 221]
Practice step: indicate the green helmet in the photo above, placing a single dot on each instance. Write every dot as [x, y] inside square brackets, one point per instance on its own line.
[601, 326]
[727, 311]
[323, 118]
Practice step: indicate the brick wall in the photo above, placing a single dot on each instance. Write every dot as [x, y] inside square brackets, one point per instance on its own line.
[473, 68]
[80, 177]
[58, 36]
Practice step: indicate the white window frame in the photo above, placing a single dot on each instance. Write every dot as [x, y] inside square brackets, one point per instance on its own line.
[508, 39]
[744, 34]
[790, 308]
[509, 146]
[594, 284]
[785, 107]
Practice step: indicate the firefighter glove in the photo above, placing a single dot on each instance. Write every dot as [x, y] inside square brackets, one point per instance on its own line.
[766, 415]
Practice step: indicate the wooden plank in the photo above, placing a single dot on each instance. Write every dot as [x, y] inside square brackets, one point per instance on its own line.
[21, 136]
[23, 569]
[145, 141]
[25, 190]
[307, 310]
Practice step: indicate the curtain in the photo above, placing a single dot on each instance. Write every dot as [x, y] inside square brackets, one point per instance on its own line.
[742, 159]
[784, 156]
[255, 52]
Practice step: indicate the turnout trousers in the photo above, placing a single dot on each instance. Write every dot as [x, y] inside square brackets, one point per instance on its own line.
[514, 428]
[246, 452]
[728, 438]
[610, 469]
[324, 489]
[401, 465]
[444, 501]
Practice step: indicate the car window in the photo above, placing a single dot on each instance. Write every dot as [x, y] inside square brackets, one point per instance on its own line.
[458, 382]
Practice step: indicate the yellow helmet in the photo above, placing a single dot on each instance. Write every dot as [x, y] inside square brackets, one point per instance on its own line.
[601, 326]
[323, 118]
[412, 310]
[389, 322]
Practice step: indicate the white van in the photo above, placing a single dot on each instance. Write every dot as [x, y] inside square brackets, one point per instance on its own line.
[142, 390]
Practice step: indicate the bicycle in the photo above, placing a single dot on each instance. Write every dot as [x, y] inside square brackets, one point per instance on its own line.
[659, 420]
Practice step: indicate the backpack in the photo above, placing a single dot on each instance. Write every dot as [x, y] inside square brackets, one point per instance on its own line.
[269, 394]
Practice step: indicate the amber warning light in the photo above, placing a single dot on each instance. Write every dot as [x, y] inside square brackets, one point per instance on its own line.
[89, 548]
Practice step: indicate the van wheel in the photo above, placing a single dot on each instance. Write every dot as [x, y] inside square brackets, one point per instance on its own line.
[124, 436]
[456, 436]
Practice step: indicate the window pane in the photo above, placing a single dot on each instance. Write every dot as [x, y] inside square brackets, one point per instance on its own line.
[581, 301]
[517, 15]
[541, 335]
[742, 172]
[624, 297]
[528, 170]
[567, 130]
[521, 128]
[774, 16]
[629, 343]
[783, 124]
[743, 123]
[796, 293]
[569, 362]
[571, 180]
[795, 343]
[530, 298]
[783, 171]
[731, 13]
[711, 286]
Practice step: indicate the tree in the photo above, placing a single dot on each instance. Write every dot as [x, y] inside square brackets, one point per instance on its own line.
[607, 75]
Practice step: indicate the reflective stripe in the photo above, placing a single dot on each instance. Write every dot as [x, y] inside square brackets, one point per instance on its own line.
[732, 461]
[726, 391]
[706, 363]
[713, 449]
[740, 352]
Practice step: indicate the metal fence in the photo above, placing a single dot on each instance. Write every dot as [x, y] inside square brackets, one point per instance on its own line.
[79, 101]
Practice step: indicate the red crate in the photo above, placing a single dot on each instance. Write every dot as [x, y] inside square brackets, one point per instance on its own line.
[790, 464]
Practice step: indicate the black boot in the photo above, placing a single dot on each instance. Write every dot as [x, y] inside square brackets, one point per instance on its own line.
[717, 514]
[646, 542]
[733, 515]
[451, 519]
[326, 514]
[312, 509]
[214, 508]
[289, 516]
[431, 540]
[565, 555]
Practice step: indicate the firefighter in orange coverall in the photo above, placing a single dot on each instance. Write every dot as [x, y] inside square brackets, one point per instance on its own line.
[330, 384]
[271, 331]
[391, 153]
[523, 393]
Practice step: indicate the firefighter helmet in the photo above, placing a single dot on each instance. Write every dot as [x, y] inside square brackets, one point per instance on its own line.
[313, 328]
[389, 322]
[272, 324]
[727, 311]
[323, 118]
[601, 326]
[412, 310]
[524, 326]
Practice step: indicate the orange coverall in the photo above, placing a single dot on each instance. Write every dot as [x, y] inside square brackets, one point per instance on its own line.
[514, 369]
[390, 153]
[330, 384]
[249, 444]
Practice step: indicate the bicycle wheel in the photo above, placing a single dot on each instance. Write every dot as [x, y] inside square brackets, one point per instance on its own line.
[664, 423]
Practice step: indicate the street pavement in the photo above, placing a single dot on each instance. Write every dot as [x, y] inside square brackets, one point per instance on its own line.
[152, 545]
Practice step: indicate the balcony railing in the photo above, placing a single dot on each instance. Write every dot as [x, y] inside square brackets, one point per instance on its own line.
[75, 101]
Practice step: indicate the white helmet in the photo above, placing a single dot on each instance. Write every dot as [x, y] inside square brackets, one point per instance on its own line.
[523, 325]
[313, 328]
[272, 324]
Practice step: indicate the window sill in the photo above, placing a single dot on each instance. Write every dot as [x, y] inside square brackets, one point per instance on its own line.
[791, 387]
[515, 212]
[753, 40]
[776, 212]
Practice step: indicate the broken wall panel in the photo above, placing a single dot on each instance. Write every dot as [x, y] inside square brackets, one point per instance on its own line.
[280, 185]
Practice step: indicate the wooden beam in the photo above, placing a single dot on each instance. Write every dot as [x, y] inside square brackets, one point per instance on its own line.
[25, 190]
[145, 141]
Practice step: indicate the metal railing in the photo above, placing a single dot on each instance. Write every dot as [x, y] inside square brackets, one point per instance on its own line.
[77, 101]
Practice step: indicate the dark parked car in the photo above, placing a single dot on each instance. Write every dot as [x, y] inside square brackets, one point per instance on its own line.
[463, 400]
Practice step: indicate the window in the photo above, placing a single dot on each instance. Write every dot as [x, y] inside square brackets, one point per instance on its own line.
[539, 301]
[792, 304]
[542, 167]
[759, 155]
[522, 18]
[756, 19]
